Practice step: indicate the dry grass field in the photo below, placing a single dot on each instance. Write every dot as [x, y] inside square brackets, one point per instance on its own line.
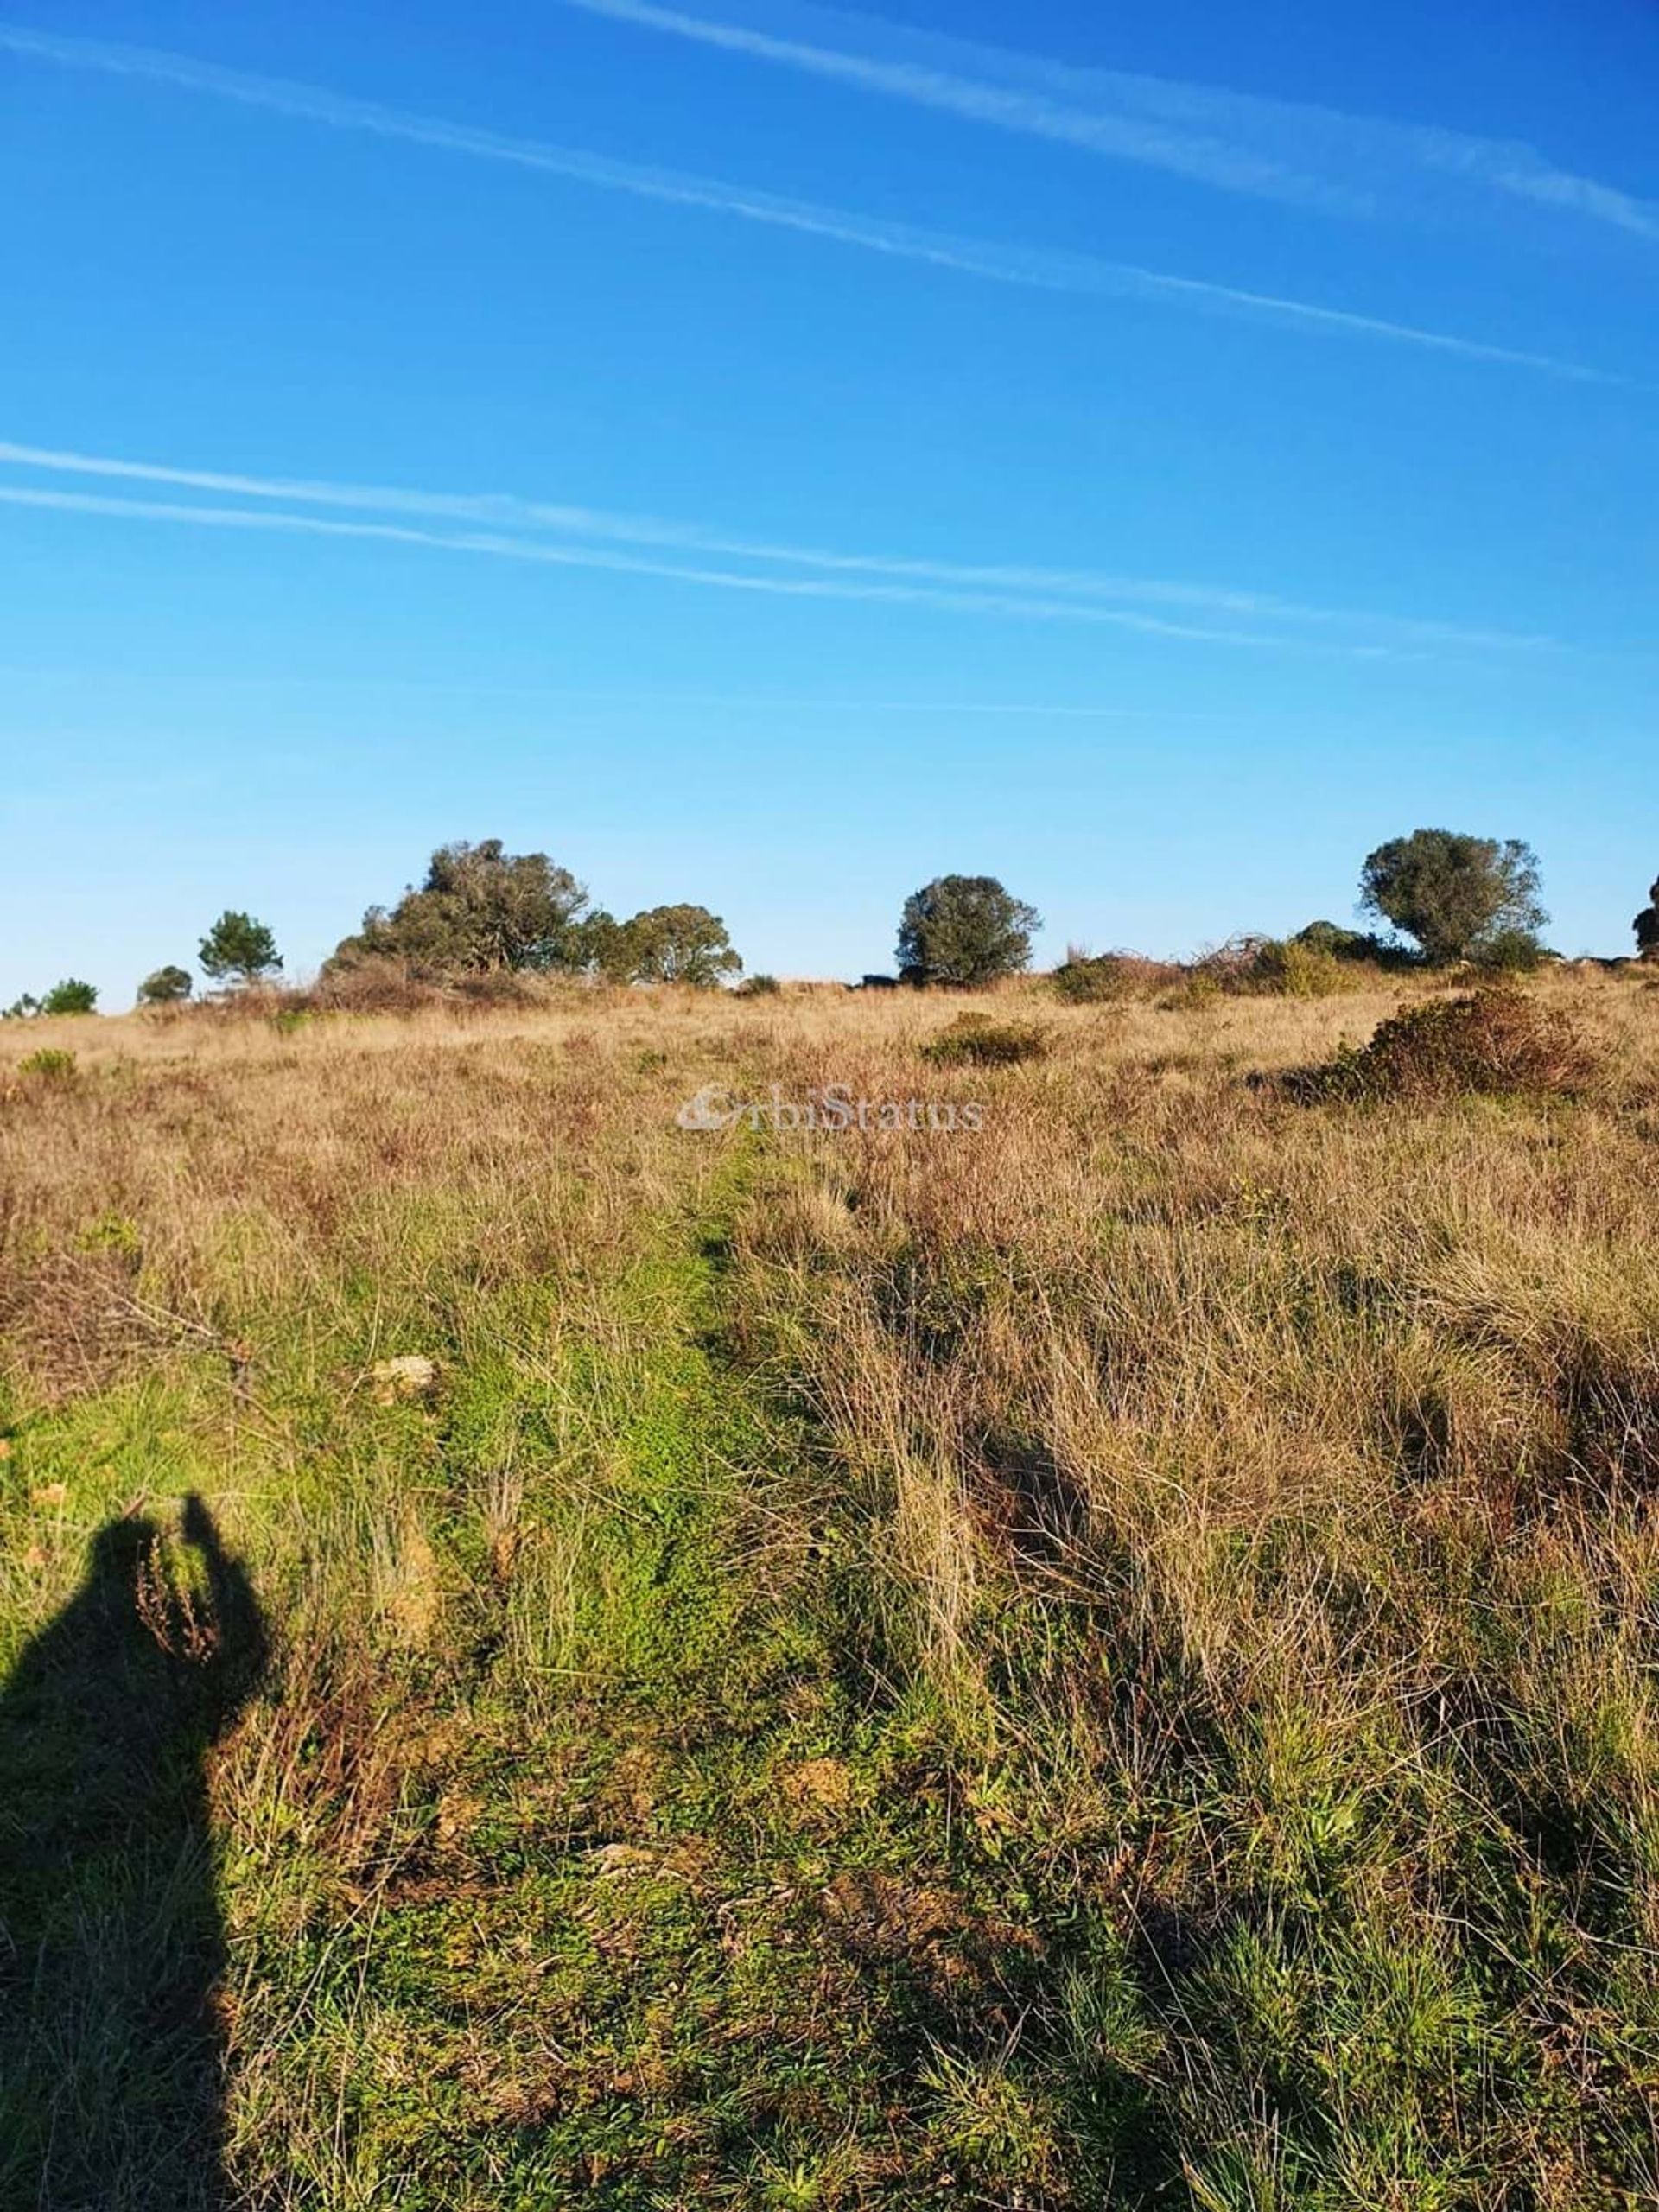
[1102, 1659]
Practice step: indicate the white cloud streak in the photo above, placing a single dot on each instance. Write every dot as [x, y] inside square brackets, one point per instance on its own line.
[585, 557]
[509, 511]
[1032, 268]
[1276, 149]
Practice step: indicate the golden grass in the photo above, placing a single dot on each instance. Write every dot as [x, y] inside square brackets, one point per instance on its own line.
[1256, 1497]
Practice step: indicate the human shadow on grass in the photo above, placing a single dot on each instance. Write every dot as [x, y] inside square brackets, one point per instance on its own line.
[112, 1946]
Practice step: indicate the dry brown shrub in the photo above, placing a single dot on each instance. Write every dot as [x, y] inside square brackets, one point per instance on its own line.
[1494, 1041]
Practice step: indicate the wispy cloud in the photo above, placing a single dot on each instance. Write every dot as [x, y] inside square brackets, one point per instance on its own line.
[757, 702]
[587, 557]
[1006, 583]
[1277, 149]
[1033, 268]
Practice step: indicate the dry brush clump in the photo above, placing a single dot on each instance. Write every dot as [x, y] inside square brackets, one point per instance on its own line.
[1500, 1040]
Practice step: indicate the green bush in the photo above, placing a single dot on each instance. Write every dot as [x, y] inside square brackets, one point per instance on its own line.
[1512, 952]
[165, 987]
[1494, 1041]
[1300, 970]
[52, 1063]
[70, 996]
[974, 1040]
[1092, 979]
[1355, 944]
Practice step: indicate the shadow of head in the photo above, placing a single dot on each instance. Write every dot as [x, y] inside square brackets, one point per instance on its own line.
[163, 1616]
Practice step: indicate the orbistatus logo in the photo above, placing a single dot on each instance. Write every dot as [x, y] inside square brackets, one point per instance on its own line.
[834, 1107]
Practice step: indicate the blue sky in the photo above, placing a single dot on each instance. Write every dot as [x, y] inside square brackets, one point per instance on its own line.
[770, 456]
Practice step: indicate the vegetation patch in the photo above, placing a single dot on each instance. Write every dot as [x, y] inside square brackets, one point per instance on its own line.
[51, 1063]
[978, 1040]
[1494, 1041]
[1108, 1665]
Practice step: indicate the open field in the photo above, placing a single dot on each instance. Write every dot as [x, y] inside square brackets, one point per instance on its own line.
[1104, 1659]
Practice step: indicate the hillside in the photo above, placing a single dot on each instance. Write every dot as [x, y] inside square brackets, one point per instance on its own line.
[1105, 1657]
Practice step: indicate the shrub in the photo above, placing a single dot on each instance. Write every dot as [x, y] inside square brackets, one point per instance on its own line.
[1085, 978]
[1646, 926]
[1198, 989]
[165, 987]
[1494, 1040]
[1512, 952]
[52, 1063]
[70, 996]
[1353, 944]
[758, 987]
[1300, 970]
[974, 1040]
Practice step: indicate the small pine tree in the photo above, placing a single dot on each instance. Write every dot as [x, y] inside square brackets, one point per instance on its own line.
[238, 950]
[70, 996]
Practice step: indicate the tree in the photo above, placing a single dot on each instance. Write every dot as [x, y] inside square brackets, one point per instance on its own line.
[602, 946]
[480, 908]
[964, 930]
[239, 950]
[70, 996]
[1646, 926]
[165, 987]
[664, 944]
[679, 944]
[1455, 895]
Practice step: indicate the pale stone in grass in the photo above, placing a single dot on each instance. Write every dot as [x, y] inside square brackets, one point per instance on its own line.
[410, 1375]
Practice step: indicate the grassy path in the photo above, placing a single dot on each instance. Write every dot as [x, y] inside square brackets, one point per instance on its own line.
[647, 1890]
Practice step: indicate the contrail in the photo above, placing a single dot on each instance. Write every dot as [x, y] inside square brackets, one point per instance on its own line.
[1236, 142]
[508, 511]
[1033, 269]
[520, 549]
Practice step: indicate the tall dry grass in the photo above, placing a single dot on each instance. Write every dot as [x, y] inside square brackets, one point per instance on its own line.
[1253, 1495]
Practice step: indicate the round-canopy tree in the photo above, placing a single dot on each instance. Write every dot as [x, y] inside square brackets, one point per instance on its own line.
[165, 987]
[964, 930]
[238, 950]
[480, 908]
[679, 944]
[1457, 895]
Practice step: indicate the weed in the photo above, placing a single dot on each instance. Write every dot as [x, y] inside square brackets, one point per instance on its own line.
[976, 1040]
[52, 1063]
